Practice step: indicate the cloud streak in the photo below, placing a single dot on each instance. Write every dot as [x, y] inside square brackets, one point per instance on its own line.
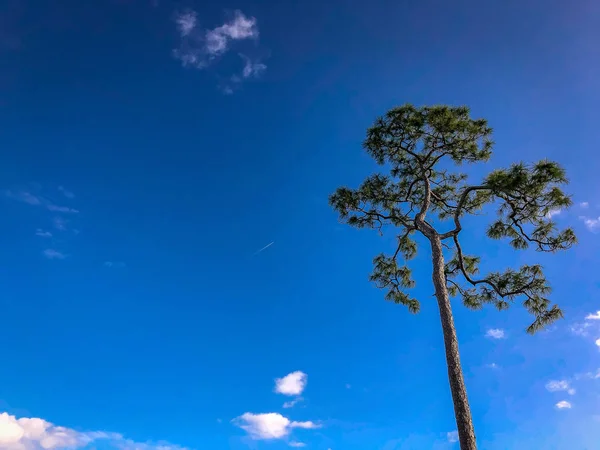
[264, 248]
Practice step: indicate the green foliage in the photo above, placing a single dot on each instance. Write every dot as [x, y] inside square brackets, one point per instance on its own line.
[423, 148]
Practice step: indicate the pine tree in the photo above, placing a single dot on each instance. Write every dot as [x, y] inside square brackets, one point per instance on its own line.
[425, 193]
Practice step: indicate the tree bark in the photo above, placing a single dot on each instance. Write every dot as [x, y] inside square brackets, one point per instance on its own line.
[462, 411]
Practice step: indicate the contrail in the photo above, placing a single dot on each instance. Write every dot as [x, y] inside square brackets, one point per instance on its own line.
[264, 248]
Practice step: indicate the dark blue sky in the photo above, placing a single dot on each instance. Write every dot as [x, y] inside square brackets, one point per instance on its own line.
[144, 164]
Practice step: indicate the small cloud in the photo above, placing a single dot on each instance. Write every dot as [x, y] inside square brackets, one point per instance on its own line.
[186, 22]
[348, 386]
[597, 342]
[66, 192]
[452, 436]
[114, 264]
[552, 213]
[297, 444]
[292, 384]
[59, 223]
[495, 333]
[42, 233]
[563, 404]
[492, 366]
[593, 316]
[560, 385]
[292, 403]
[269, 426]
[590, 223]
[53, 254]
[252, 69]
[584, 205]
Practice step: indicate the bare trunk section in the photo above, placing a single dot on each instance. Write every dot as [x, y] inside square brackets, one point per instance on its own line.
[462, 411]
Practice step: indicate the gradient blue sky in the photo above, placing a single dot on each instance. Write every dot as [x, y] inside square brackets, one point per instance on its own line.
[151, 148]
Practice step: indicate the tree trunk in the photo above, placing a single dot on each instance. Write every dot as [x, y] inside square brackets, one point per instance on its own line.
[462, 411]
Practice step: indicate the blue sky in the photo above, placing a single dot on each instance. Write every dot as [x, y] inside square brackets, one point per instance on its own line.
[150, 149]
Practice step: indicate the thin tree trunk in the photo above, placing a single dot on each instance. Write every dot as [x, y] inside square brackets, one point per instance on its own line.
[462, 411]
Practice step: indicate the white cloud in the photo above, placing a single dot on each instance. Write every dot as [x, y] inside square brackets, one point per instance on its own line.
[560, 385]
[591, 223]
[584, 205]
[553, 212]
[42, 233]
[495, 333]
[37, 434]
[452, 436]
[563, 404]
[199, 47]
[50, 253]
[269, 426]
[598, 342]
[297, 444]
[593, 316]
[492, 366]
[292, 403]
[292, 384]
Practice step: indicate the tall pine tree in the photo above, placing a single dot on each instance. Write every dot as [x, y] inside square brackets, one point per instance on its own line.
[425, 193]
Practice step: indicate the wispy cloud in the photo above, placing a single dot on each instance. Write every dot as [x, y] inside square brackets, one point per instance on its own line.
[264, 248]
[292, 384]
[31, 433]
[60, 223]
[38, 200]
[252, 68]
[560, 385]
[297, 444]
[269, 426]
[50, 253]
[584, 205]
[592, 224]
[553, 212]
[63, 209]
[597, 342]
[43, 233]
[593, 316]
[199, 48]
[452, 436]
[292, 403]
[563, 404]
[495, 333]
[66, 192]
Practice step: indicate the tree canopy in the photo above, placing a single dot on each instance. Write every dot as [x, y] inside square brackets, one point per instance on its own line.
[425, 192]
